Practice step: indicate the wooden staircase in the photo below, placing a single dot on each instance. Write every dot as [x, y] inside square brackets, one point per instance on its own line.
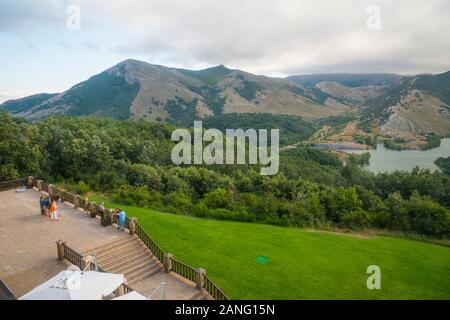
[128, 256]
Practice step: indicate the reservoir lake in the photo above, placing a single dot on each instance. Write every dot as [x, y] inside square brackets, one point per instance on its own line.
[383, 159]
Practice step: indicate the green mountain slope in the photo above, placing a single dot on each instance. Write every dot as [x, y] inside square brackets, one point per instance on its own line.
[26, 103]
[139, 90]
[292, 129]
[210, 76]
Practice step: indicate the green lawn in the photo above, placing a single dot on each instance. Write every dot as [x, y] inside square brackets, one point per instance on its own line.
[302, 264]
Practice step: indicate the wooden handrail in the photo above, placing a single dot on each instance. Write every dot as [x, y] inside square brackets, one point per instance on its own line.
[183, 269]
[151, 245]
[12, 184]
[214, 290]
[44, 187]
[72, 256]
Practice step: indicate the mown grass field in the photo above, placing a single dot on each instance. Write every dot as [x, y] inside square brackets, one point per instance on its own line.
[303, 264]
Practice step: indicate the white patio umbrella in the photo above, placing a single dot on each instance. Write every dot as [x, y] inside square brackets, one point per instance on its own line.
[76, 285]
[133, 295]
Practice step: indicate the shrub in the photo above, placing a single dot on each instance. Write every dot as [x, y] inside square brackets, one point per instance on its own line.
[137, 196]
[82, 188]
[397, 212]
[144, 175]
[341, 201]
[428, 217]
[180, 201]
[299, 216]
[355, 219]
[200, 209]
[218, 198]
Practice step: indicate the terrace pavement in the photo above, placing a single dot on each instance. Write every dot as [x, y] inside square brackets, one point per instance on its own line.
[28, 255]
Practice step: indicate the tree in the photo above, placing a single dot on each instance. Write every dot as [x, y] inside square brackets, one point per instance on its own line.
[341, 201]
[428, 217]
[20, 153]
[218, 198]
[443, 164]
[144, 175]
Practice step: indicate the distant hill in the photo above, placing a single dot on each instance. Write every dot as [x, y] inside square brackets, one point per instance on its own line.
[139, 90]
[405, 107]
[23, 104]
[347, 79]
[399, 106]
[412, 106]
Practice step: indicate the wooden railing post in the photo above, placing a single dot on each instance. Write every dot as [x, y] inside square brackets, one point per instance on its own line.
[200, 278]
[167, 261]
[85, 261]
[60, 249]
[132, 225]
[50, 189]
[76, 201]
[39, 185]
[110, 214]
[92, 208]
[30, 182]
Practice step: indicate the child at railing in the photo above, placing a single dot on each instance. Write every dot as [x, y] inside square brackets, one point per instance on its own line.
[54, 210]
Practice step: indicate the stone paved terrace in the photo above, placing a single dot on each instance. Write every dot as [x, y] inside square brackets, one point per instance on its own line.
[28, 255]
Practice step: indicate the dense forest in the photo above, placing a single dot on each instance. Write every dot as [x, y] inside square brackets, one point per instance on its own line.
[130, 161]
[292, 129]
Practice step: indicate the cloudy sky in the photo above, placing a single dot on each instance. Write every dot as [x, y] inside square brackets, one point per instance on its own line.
[44, 47]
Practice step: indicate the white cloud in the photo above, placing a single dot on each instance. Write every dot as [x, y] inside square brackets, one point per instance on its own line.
[288, 36]
[261, 36]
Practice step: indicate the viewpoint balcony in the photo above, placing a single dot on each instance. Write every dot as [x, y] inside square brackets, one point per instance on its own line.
[28, 251]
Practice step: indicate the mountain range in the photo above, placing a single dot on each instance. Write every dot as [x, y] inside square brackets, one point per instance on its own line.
[132, 89]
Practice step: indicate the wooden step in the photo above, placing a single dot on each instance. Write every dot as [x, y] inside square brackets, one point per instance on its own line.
[123, 257]
[145, 276]
[114, 246]
[120, 252]
[124, 237]
[139, 269]
[109, 244]
[135, 263]
[129, 256]
[143, 273]
[131, 272]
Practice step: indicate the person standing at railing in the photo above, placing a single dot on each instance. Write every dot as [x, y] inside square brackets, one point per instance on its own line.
[41, 204]
[101, 208]
[54, 210]
[121, 216]
[46, 205]
[86, 204]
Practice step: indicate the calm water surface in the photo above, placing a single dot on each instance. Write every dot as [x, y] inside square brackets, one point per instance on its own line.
[383, 159]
